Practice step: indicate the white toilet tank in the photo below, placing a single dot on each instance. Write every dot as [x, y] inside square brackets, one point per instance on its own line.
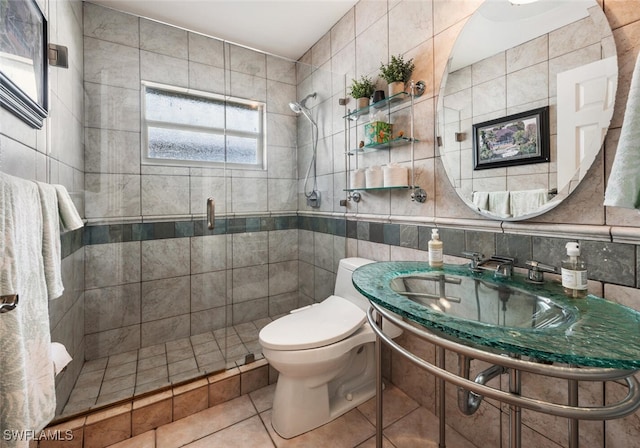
[344, 284]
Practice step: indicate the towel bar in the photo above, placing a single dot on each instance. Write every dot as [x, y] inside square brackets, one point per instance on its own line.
[8, 302]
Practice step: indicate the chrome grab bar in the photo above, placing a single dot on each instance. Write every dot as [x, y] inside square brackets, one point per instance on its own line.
[211, 213]
[8, 302]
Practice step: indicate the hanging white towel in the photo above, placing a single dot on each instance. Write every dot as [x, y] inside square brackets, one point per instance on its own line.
[69, 215]
[51, 252]
[27, 387]
[623, 188]
[499, 204]
[481, 199]
[523, 202]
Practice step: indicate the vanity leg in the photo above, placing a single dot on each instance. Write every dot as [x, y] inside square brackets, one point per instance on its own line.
[573, 423]
[515, 413]
[441, 400]
[378, 356]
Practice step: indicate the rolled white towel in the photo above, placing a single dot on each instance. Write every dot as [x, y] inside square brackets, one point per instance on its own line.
[357, 179]
[395, 175]
[374, 177]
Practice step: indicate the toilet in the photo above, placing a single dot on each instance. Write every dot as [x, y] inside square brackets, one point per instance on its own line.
[324, 354]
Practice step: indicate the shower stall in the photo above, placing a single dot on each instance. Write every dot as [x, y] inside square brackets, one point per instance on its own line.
[187, 258]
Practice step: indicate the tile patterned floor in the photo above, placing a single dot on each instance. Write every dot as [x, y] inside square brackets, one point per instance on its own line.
[246, 422]
[110, 379]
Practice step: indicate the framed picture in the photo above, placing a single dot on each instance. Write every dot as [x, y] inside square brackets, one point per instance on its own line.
[517, 139]
[23, 60]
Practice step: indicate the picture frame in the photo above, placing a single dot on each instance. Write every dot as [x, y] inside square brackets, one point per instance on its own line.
[23, 61]
[518, 139]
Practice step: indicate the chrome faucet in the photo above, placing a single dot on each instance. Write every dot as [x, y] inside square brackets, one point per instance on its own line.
[501, 266]
[476, 260]
[537, 270]
[504, 269]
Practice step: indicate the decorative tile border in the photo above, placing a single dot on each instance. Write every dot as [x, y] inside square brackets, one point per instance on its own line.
[610, 262]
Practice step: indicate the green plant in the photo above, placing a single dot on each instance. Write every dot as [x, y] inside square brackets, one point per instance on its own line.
[363, 88]
[397, 69]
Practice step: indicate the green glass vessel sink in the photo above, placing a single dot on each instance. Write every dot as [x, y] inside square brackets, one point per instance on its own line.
[508, 315]
[474, 299]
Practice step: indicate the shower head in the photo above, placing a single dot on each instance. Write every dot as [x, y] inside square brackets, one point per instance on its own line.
[299, 107]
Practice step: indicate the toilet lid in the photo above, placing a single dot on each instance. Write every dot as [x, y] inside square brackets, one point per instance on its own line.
[330, 321]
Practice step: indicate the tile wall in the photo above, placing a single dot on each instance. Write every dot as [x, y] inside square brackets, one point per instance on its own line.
[157, 282]
[120, 193]
[154, 273]
[387, 225]
[55, 154]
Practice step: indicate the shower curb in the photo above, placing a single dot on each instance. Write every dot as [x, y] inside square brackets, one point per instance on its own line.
[126, 419]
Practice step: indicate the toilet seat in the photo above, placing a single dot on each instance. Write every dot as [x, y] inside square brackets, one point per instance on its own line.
[330, 321]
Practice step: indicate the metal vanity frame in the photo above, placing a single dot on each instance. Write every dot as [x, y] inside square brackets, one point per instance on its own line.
[628, 405]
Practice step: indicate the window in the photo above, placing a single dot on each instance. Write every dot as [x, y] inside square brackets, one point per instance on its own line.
[182, 126]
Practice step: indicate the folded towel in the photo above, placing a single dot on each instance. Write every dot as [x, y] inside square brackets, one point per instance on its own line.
[51, 253]
[69, 215]
[499, 204]
[523, 202]
[623, 187]
[27, 388]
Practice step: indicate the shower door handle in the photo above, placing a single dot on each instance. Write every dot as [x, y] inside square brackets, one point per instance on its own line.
[211, 213]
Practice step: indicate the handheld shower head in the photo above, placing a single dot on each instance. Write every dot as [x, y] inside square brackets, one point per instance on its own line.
[299, 107]
[296, 107]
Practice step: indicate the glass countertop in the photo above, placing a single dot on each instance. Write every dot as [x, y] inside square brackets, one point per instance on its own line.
[592, 331]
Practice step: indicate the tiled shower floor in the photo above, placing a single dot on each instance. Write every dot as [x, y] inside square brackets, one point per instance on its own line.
[110, 379]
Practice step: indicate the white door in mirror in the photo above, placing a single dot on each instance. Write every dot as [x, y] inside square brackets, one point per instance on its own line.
[586, 96]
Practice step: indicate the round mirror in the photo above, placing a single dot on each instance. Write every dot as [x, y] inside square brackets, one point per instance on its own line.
[525, 103]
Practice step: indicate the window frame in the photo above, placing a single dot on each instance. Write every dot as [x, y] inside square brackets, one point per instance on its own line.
[261, 156]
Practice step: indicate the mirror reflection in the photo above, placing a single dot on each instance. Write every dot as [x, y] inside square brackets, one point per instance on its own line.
[508, 62]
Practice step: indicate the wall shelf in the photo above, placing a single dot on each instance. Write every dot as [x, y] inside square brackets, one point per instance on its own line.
[354, 194]
[398, 187]
[392, 100]
[400, 141]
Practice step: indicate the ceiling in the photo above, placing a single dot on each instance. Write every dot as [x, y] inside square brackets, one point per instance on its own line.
[498, 25]
[281, 27]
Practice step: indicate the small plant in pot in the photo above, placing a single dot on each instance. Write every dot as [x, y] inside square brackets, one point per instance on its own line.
[361, 91]
[397, 73]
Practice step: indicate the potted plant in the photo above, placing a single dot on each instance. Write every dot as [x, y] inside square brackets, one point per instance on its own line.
[361, 91]
[397, 72]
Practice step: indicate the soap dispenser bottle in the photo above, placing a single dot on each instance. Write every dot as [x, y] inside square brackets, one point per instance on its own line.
[435, 250]
[574, 272]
